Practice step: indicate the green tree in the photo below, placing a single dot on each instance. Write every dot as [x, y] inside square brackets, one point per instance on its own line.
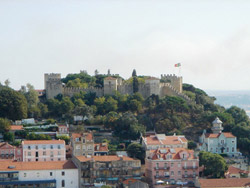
[110, 104]
[66, 106]
[238, 114]
[65, 138]
[136, 150]
[9, 137]
[191, 145]
[4, 125]
[13, 104]
[214, 165]
[110, 120]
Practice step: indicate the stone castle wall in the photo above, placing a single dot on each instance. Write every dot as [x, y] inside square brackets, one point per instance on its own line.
[172, 87]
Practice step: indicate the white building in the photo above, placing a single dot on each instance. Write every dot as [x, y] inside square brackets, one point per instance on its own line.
[218, 141]
[57, 174]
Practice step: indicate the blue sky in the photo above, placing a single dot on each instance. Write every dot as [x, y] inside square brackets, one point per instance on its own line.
[211, 38]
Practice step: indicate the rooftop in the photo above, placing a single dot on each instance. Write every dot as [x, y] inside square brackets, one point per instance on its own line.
[240, 182]
[105, 158]
[226, 134]
[16, 127]
[43, 142]
[48, 165]
[159, 139]
[88, 136]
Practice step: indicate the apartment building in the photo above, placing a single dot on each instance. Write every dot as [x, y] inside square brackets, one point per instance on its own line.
[153, 141]
[43, 150]
[172, 166]
[9, 152]
[53, 174]
[111, 170]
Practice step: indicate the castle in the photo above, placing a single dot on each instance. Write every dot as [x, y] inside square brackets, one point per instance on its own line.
[172, 86]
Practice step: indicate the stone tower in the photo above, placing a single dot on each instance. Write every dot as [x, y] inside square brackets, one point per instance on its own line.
[217, 126]
[110, 85]
[52, 85]
[175, 81]
[153, 85]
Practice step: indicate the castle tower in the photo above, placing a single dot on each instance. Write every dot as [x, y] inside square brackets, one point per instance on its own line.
[217, 126]
[52, 85]
[153, 85]
[110, 85]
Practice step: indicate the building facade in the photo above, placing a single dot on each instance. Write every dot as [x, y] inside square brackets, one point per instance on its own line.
[110, 170]
[9, 152]
[44, 150]
[218, 141]
[57, 174]
[172, 166]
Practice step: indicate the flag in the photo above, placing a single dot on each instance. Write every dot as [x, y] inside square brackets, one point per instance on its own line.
[177, 65]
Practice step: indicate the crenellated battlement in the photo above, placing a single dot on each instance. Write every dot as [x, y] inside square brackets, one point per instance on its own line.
[169, 84]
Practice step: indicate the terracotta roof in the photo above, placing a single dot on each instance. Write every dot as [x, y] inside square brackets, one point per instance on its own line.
[16, 127]
[130, 180]
[88, 136]
[212, 135]
[48, 165]
[233, 170]
[43, 142]
[102, 147]
[158, 153]
[110, 78]
[169, 140]
[105, 158]
[5, 145]
[240, 182]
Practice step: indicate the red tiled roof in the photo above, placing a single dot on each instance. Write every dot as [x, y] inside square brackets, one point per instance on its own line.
[102, 147]
[5, 145]
[153, 140]
[43, 142]
[239, 182]
[16, 127]
[88, 136]
[130, 180]
[176, 155]
[212, 135]
[103, 158]
[48, 165]
[110, 78]
[233, 170]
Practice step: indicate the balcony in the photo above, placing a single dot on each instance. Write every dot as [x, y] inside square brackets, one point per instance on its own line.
[189, 175]
[162, 176]
[189, 167]
[162, 168]
[222, 145]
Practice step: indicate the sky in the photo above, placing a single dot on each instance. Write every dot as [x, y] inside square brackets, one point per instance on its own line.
[210, 38]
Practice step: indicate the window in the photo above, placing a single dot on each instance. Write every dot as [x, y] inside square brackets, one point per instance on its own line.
[37, 174]
[157, 173]
[36, 147]
[179, 173]
[59, 159]
[51, 173]
[29, 153]
[63, 173]
[172, 172]
[51, 147]
[222, 141]
[172, 164]
[227, 149]
[44, 147]
[216, 149]
[179, 164]
[29, 147]
[157, 165]
[77, 139]
[83, 140]
[232, 149]
[44, 152]
[58, 147]
[232, 141]
[211, 149]
[24, 174]
[165, 165]
[59, 152]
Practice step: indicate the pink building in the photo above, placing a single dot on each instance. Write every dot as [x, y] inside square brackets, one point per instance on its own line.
[9, 152]
[44, 150]
[172, 166]
[153, 141]
[63, 130]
